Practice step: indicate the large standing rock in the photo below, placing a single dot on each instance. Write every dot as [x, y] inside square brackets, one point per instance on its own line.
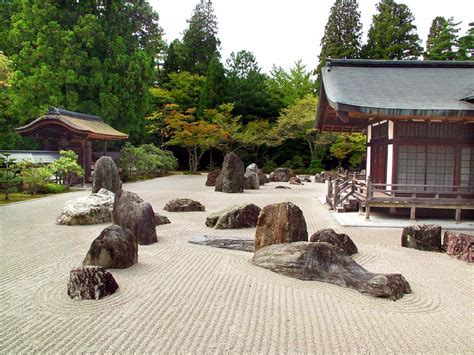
[106, 175]
[234, 217]
[459, 245]
[340, 240]
[92, 209]
[252, 181]
[90, 283]
[132, 213]
[281, 175]
[327, 263]
[184, 205]
[212, 177]
[231, 178]
[262, 178]
[422, 237]
[115, 248]
[280, 223]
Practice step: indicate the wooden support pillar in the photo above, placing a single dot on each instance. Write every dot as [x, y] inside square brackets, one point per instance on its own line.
[105, 149]
[88, 161]
[368, 193]
[335, 195]
[413, 213]
[83, 160]
[458, 215]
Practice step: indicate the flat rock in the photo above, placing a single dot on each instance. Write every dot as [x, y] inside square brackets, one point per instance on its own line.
[212, 177]
[320, 261]
[244, 244]
[234, 217]
[231, 178]
[184, 205]
[459, 245]
[280, 223]
[136, 215]
[422, 237]
[106, 175]
[283, 187]
[92, 209]
[90, 283]
[115, 247]
[159, 220]
[340, 240]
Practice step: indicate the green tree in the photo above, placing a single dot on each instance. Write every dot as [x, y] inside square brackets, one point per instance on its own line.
[185, 89]
[35, 177]
[342, 34]
[466, 44]
[230, 128]
[442, 40]
[215, 86]
[9, 178]
[174, 58]
[392, 34]
[258, 136]
[200, 42]
[65, 167]
[293, 85]
[349, 145]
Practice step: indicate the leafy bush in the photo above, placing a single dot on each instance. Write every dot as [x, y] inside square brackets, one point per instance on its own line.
[9, 178]
[51, 188]
[35, 178]
[64, 167]
[146, 160]
[315, 167]
[269, 166]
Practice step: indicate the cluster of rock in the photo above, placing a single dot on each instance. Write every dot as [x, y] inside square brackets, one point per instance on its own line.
[184, 205]
[281, 175]
[234, 217]
[281, 246]
[428, 238]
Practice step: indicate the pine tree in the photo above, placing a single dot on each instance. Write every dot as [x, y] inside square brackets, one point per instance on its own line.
[442, 40]
[174, 57]
[392, 34]
[200, 41]
[466, 44]
[215, 87]
[342, 34]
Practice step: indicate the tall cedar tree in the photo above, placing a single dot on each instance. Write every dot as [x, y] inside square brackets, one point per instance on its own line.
[174, 59]
[342, 34]
[466, 44]
[392, 34]
[87, 56]
[215, 86]
[200, 41]
[442, 40]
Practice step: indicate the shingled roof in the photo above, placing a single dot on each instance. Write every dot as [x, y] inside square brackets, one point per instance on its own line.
[93, 127]
[422, 89]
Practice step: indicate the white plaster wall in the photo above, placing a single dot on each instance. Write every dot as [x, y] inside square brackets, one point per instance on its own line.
[390, 130]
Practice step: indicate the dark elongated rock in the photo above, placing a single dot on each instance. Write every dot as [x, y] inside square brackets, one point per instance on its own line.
[340, 240]
[159, 220]
[263, 178]
[234, 217]
[231, 178]
[184, 205]
[132, 213]
[212, 177]
[324, 262]
[244, 244]
[280, 223]
[252, 181]
[115, 247]
[459, 245]
[283, 187]
[422, 237]
[90, 283]
[106, 175]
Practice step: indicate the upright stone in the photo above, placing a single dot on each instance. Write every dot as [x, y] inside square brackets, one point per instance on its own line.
[212, 177]
[132, 213]
[115, 248]
[422, 237]
[231, 178]
[106, 175]
[252, 181]
[90, 283]
[280, 223]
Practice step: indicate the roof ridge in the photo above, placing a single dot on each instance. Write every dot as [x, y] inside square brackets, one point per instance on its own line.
[63, 112]
[400, 63]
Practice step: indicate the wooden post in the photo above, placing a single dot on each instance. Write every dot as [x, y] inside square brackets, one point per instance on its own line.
[458, 215]
[413, 213]
[105, 149]
[83, 155]
[368, 193]
[335, 195]
[88, 161]
[328, 191]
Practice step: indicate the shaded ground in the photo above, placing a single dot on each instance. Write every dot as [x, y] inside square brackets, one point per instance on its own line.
[190, 298]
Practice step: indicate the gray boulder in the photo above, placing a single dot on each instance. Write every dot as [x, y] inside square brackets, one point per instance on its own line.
[319, 178]
[93, 209]
[90, 283]
[159, 220]
[231, 178]
[234, 217]
[340, 240]
[324, 262]
[184, 205]
[244, 244]
[252, 181]
[281, 175]
[422, 237]
[106, 175]
[114, 248]
[280, 223]
[262, 178]
[136, 215]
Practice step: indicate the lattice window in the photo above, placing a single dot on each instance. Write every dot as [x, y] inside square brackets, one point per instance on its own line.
[411, 165]
[467, 169]
[440, 166]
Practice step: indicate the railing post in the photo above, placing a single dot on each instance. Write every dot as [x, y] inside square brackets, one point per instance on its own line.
[335, 196]
[328, 192]
[368, 193]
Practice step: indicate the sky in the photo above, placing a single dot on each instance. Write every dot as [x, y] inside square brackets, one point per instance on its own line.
[280, 32]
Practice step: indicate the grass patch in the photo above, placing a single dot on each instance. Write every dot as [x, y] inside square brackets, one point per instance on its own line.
[19, 196]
